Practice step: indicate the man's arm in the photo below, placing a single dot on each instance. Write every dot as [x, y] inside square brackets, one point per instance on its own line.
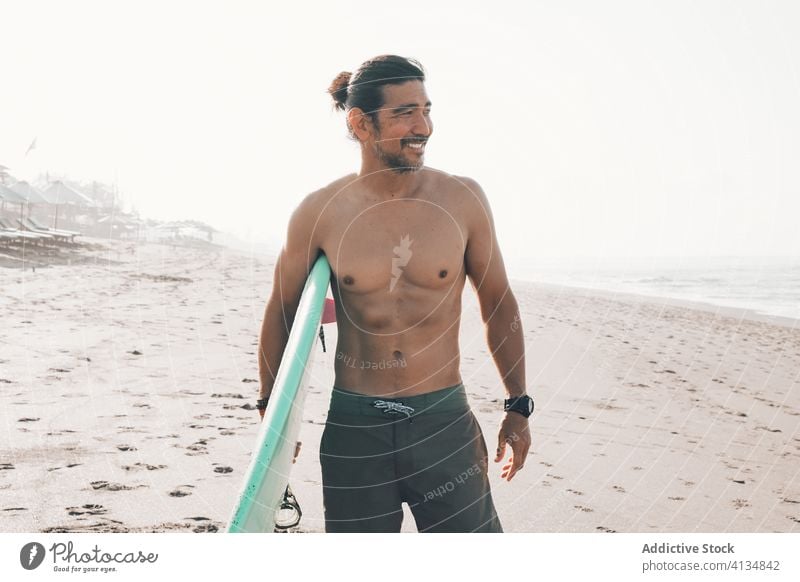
[499, 309]
[500, 313]
[291, 271]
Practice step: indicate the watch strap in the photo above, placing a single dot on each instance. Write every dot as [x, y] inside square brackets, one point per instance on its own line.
[521, 404]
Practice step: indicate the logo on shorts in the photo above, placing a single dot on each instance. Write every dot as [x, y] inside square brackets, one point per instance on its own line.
[31, 555]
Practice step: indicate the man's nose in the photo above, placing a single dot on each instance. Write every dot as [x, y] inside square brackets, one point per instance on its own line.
[422, 125]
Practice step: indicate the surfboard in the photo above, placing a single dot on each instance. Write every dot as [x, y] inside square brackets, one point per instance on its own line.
[266, 478]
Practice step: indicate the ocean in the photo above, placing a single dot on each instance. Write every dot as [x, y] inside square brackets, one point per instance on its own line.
[766, 285]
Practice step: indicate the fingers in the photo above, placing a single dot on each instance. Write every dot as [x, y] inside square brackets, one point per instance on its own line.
[519, 452]
[511, 469]
[501, 451]
[502, 440]
[297, 448]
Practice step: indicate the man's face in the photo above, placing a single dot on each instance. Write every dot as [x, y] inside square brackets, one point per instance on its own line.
[403, 126]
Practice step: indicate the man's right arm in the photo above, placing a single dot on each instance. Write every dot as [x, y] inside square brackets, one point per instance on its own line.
[291, 271]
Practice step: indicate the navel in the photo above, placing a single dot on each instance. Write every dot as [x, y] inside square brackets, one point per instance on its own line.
[443, 273]
[348, 280]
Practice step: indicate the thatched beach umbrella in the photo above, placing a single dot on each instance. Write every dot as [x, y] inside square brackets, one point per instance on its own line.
[31, 194]
[59, 193]
[8, 195]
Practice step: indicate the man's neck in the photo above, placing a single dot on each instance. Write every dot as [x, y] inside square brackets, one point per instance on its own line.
[386, 182]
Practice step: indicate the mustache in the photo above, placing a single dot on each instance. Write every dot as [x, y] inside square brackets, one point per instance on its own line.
[410, 140]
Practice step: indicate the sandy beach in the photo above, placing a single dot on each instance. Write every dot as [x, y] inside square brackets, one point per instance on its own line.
[128, 379]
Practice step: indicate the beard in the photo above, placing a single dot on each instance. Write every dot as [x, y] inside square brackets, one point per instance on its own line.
[397, 162]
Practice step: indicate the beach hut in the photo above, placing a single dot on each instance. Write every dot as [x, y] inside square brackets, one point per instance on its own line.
[60, 194]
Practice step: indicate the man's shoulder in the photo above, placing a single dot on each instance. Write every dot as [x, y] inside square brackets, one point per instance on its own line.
[466, 192]
[455, 183]
[316, 201]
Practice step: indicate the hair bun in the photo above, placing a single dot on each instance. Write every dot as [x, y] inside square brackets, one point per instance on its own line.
[338, 89]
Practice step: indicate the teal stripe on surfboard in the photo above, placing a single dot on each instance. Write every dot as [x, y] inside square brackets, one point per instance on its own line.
[268, 473]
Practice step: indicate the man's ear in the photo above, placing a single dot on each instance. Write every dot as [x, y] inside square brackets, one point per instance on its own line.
[360, 123]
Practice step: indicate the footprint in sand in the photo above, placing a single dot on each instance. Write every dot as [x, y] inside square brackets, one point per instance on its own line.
[106, 486]
[619, 489]
[89, 509]
[15, 509]
[198, 448]
[6, 466]
[143, 466]
[70, 466]
[126, 448]
[583, 509]
[181, 491]
[574, 491]
[28, 420]
[223, 470]
[740, 503]
[604, 529]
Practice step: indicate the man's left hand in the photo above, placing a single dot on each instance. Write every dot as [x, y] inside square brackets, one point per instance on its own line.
[514, 430]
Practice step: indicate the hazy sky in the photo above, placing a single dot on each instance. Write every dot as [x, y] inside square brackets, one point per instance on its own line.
[596, 128]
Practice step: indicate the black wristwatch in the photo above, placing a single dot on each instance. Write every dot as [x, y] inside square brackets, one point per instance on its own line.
[522, 404]
[262, 404]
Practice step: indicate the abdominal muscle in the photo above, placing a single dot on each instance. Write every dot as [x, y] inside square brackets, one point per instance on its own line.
[395, 346]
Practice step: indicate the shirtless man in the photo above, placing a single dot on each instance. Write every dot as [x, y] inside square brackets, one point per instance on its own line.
[401, 239]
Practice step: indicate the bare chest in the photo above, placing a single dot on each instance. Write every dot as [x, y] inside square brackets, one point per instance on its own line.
[396, 245]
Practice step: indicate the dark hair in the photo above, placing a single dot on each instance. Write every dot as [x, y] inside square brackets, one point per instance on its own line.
[363, 89]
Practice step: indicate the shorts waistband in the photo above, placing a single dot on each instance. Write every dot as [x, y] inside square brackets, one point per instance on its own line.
[450, 399]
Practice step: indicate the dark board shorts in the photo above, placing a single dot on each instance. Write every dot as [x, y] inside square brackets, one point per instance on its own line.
[426, 450]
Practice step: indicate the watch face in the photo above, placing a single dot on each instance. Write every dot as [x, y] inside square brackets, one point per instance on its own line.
[523, 403]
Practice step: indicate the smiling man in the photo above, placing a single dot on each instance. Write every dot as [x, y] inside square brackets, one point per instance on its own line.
[402, 239]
